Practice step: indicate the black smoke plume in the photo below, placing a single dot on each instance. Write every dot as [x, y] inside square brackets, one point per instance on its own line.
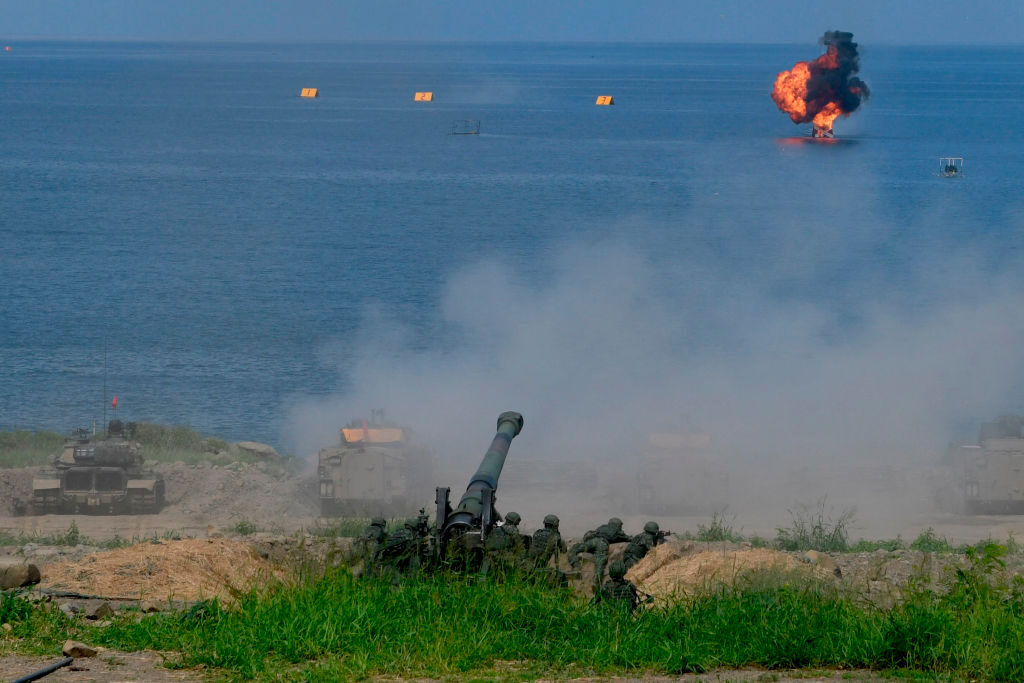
[833, 76]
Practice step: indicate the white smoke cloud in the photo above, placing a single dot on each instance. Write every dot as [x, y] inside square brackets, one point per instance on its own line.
[603, 343]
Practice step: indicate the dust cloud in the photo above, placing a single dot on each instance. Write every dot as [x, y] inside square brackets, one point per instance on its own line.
[814, 370]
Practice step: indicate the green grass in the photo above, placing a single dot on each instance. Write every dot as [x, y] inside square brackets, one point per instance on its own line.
[929, 542]
[720, 529]
[334, 627]
[73, 536]
[28, 449]
[814, 527]
[159, 443]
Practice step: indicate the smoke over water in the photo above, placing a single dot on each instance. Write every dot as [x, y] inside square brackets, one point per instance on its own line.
[824, 89]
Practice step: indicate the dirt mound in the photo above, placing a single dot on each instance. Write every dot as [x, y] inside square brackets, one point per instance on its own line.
[193, 569]
[238, 492]
[15, 483]
[680, 569]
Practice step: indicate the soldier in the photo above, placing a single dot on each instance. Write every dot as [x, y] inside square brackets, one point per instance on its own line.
[504, 545]
[596, 543]
[372, 539]
[424, 534]
[613, 531]
[423, 523]
[642, 543]
[401, 551]
[511, 529]
[546, 543]
[619, 592]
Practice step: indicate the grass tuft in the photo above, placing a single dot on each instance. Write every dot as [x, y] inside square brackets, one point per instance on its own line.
[720, 529]
[929, 542]
[815, 528]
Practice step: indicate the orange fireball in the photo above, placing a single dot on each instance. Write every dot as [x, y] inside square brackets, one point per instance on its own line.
[821, 90]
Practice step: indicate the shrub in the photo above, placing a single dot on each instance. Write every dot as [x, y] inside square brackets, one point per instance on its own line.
[814, 528]
[718, 530]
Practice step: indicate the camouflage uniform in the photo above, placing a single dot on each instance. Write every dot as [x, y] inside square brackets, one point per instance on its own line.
[641, 544]
[504, 545]
[613, 531]
[402, 550]
[546, 543]
[617, 591]
[423, 524]
[596, 543]
[372, 539]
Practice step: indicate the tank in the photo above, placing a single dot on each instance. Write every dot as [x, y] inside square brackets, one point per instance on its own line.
[372, 471]
[990, 473]
[98, 475]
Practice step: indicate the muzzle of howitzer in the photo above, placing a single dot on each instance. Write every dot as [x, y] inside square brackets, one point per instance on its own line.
[474, 516]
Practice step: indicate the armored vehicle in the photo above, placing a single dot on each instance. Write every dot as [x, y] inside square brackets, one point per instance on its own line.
[372, 471]
[98, 475]
[991, 472]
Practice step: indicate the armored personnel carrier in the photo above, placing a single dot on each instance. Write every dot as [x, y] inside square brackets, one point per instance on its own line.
[374, 470]
[991, 472]
[99, 476]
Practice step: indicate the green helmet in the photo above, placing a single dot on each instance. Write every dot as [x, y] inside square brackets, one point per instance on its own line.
[551, 521]
[617, 569]
[615, 522]
[512, 518]
[378, 521]
[652, 527]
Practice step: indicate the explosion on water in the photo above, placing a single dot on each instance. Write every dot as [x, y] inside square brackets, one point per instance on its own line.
[824, 89]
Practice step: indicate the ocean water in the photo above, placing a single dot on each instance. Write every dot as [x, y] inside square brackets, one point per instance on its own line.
[177, 224]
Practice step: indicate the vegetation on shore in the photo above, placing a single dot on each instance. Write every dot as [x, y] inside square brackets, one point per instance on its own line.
[21, 448]
[332, 626]
[73, 536]
[159, 443]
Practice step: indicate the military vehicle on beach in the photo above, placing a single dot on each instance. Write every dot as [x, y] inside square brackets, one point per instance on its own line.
[373, 470]
[102, 475]
[990, 473]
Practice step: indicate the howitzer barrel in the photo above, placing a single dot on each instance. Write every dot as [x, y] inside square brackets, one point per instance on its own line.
[470, 511]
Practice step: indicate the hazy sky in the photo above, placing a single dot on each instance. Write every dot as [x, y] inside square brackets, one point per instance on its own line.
[740, 21]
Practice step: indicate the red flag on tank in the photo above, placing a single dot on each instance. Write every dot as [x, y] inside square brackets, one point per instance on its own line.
[114, 402]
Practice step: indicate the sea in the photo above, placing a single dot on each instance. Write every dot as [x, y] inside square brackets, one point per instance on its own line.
[180, 229]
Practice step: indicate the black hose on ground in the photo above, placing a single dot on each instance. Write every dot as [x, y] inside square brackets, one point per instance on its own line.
[45, 671]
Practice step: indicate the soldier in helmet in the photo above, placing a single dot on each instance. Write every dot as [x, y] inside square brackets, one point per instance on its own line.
[617, 591]
[597, 543]
[642, 543]
[372, 539]
[401, 551]
[511, 529]
[546, 543]
[613, 531]
[504, 546]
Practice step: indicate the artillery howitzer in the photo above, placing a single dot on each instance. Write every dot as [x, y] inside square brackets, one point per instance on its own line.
[461, 532]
